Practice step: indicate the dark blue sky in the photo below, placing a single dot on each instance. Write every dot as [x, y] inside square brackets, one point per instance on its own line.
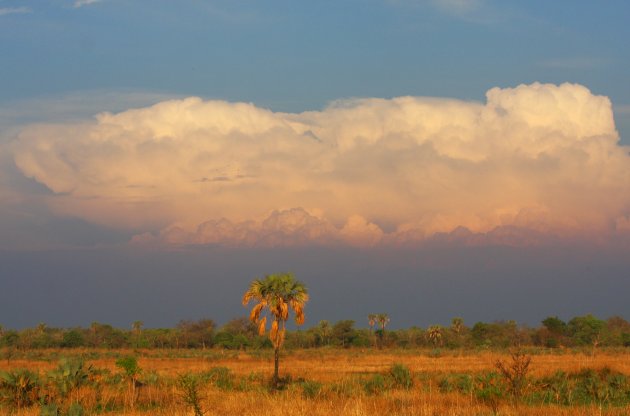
[416, 287]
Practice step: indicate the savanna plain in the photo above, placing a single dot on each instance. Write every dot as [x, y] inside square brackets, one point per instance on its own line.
[322, 381]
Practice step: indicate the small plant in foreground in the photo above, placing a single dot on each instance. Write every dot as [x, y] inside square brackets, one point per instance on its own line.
[515, 373]
[69, 376]
[188, 386]
[18, 387]
[489, 390]
[129, 364]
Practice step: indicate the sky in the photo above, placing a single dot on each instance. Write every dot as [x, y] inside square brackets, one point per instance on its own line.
[424, 158]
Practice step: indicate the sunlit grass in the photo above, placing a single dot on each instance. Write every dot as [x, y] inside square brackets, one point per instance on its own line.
[322, 382]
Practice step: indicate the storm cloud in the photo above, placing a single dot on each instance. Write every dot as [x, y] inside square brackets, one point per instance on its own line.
[534, 160]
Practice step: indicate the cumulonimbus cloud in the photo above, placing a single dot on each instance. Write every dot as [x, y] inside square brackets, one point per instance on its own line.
[539, 157]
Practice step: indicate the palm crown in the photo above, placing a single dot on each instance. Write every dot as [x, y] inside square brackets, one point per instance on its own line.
[277, 293]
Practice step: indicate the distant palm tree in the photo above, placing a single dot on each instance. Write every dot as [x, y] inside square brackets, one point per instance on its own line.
[372, 321]
[435, 334]
[457, 324]
[383, 320]
[136, 326]
[276, 293]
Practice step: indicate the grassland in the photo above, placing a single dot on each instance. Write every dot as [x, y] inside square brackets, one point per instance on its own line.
[329, 382]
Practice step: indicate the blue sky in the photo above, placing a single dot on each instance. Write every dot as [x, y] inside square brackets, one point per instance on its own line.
[511, 206]
[298, 55]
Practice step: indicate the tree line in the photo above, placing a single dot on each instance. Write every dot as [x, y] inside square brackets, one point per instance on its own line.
[242, 333]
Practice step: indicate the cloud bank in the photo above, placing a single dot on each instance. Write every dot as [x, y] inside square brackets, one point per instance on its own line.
[533, 160]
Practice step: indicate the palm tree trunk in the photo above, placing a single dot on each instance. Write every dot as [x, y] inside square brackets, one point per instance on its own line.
[276, 362]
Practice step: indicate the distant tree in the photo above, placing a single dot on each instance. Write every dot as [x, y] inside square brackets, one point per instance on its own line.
[555, 325]
[343, 332]
[241, 326]
[238, 333]
[496, 334]
[324, 332]
[586, 330]
[617, 331]
[94, 340]
[73, 339]
[196, 333]
[276, 293]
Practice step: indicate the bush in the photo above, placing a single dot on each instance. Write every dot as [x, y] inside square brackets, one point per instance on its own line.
[188, 386]
[129, 364]
[462, 383]
[401, 376]
[18, 388]
[489, 390]
[375, 385]
[220, 377]
[311, 389]
[69, 375]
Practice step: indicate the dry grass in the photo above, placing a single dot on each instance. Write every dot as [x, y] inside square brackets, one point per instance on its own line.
[330, 367]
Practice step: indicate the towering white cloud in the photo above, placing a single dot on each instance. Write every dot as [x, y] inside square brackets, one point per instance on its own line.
[363, 172]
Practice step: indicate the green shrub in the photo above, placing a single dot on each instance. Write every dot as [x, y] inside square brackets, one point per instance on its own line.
[129, 364]
[75, 409]
[220, 377]
[311, 389]
[489, 390]
[49, 410]
[70, 374]
[188, 386]
[462, 383]
[602, 386]
[375, 385]
[19, 387]
[401, 376]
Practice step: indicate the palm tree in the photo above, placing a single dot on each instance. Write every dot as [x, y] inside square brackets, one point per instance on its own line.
[372, 321]
[136, 328]
[276, 293]
[383, 320]
[435, 334]
[457, 324]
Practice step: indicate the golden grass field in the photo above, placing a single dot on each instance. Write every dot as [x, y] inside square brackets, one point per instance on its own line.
[337, 371]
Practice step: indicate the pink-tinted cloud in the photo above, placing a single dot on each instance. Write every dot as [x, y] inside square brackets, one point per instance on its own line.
[540, 157]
